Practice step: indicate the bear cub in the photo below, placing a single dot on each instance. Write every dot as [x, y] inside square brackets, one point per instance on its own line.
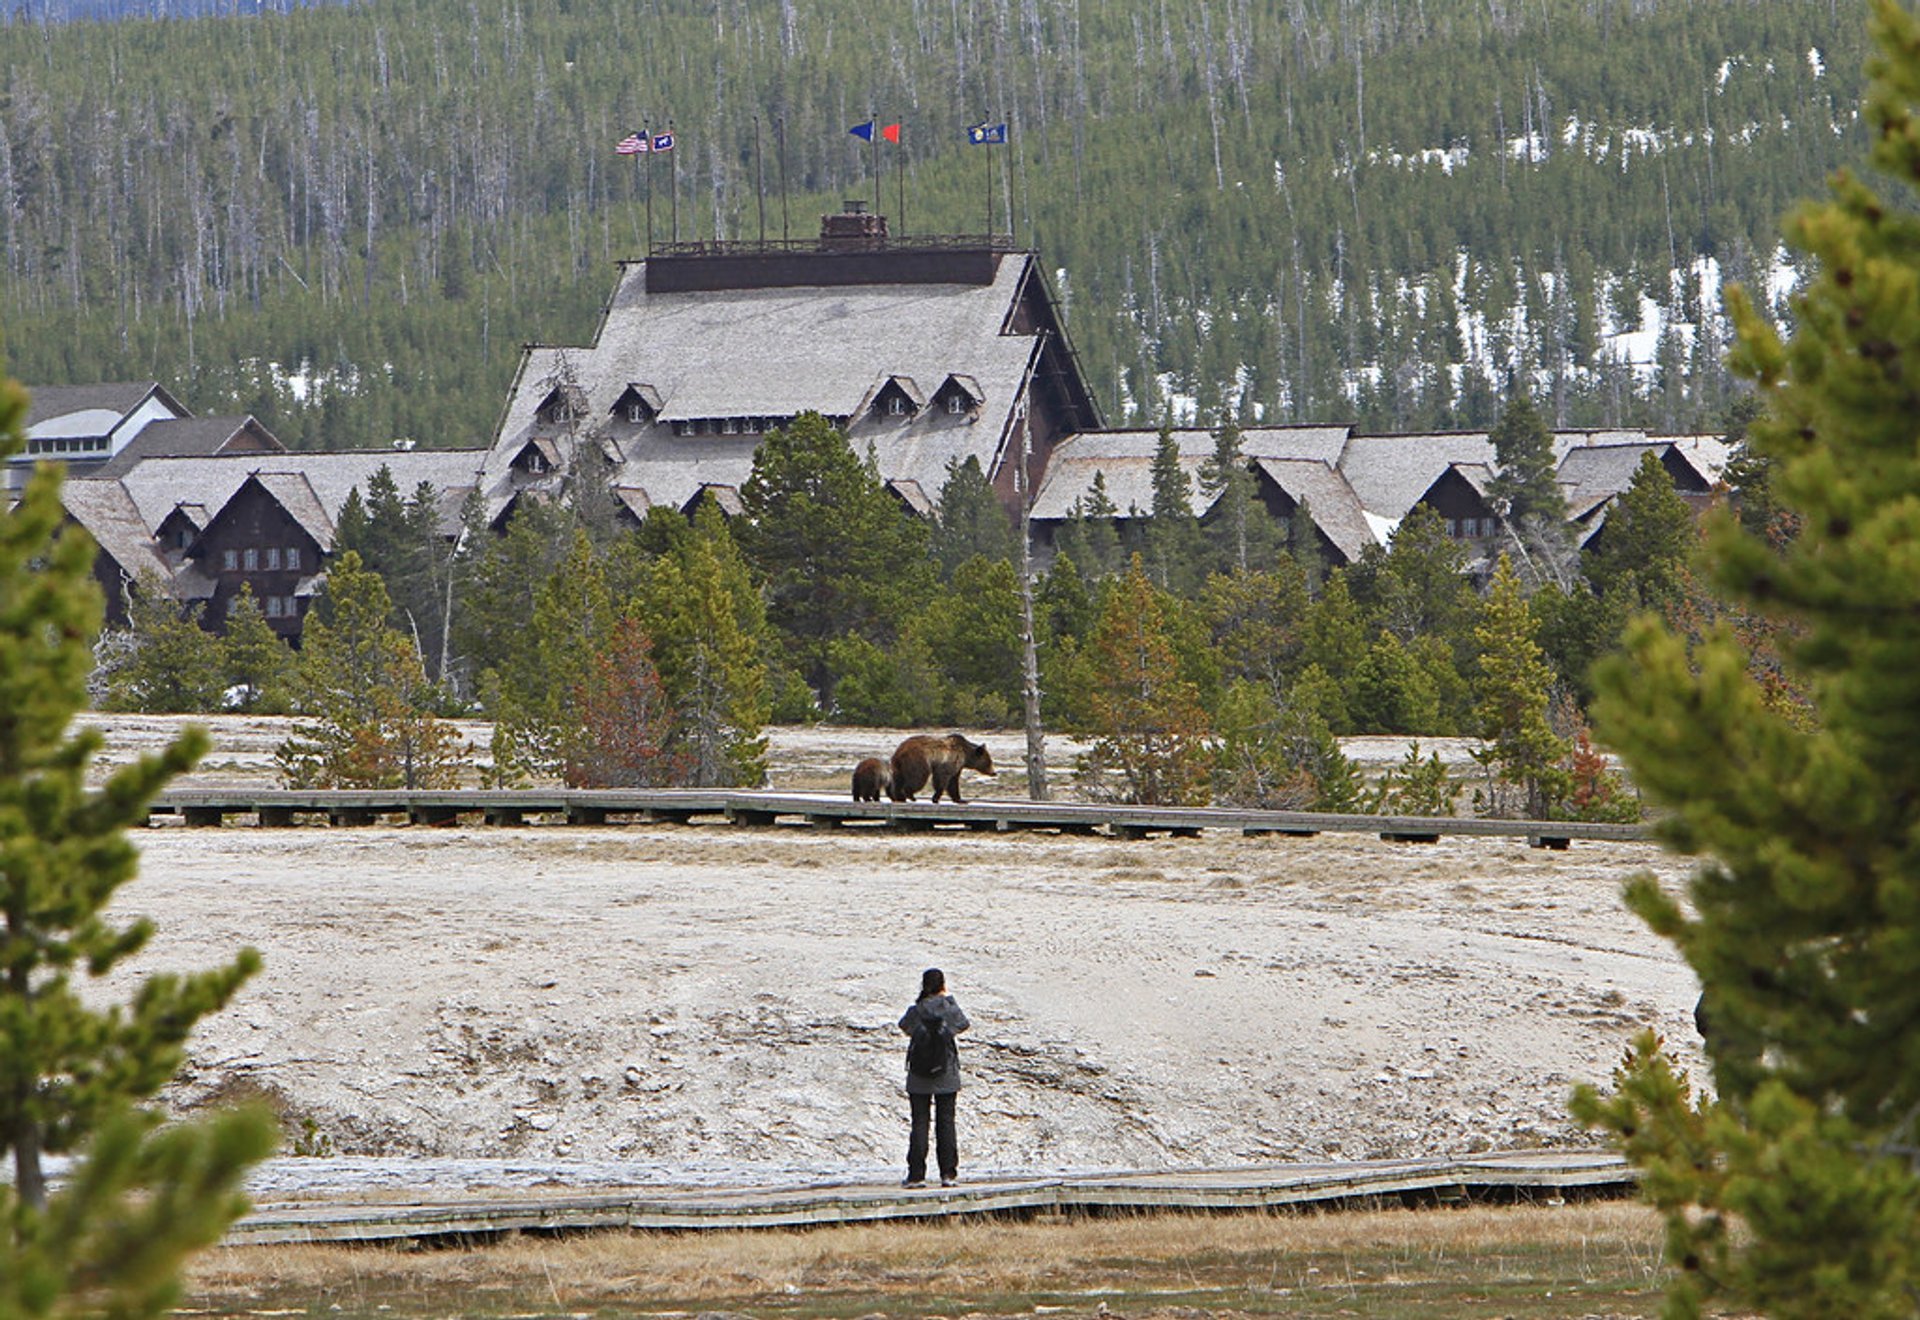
[871, 778]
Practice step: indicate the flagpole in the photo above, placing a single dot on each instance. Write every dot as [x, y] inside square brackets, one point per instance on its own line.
[900, 173]
[1013, 229]
[673, 182]
[780, 140]
[989, 155]
[873, 143]
[648, 134]
[760, 180]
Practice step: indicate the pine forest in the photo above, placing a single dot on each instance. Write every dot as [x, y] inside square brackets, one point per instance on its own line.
[348, 219]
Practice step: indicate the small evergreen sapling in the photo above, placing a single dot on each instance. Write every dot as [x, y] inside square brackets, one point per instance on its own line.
[74, 1072]
[1795, 1189]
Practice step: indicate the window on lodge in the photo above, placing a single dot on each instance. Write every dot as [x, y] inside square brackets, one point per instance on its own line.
[293, 557]
[250, 558]
[273, 607]
[896, 406]
[956, 403]
[273, 558]
[229, 560]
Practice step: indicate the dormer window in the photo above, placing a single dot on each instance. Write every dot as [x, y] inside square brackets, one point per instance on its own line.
[730, 426]
[896, 396]
[536, 457]
[638, 404]
[565, 404]
[959, 395]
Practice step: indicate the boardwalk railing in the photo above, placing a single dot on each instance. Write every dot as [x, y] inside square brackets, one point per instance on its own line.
[345, 807]
[1501, 1176]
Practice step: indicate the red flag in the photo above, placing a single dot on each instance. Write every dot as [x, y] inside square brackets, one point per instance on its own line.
[891, 133]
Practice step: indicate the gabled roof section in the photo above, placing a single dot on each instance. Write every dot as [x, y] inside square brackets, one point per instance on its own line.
[111, 517]
[910, 494]
[727, 497]
[191, 437]
[645, 395]
[562, 403]
[634, 501]
[963, 385]
[540, 448]
[159, 485]
[1125, 458]
[194, 516]
[1329, 500]
[878, 399]
[294, 493]
[48, 402]
[1391, 472]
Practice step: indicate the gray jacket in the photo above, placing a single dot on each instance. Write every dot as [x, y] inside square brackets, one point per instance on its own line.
[947, 1080]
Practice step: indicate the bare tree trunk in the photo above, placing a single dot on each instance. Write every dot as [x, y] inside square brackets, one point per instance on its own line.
[1029, 646]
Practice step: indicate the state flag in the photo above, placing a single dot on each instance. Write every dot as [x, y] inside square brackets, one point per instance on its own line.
[663, 142]
[632, 144]
[985, 134]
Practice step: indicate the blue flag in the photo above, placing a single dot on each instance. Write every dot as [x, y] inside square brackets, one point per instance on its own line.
[663, 142]
[983, 134]
[863, 131]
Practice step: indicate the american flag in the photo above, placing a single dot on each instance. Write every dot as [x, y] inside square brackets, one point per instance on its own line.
[632, 144]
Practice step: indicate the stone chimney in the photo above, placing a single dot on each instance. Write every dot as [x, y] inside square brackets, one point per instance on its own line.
[854, 227]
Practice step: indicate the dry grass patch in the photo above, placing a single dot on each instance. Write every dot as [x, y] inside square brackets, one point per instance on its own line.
[1597, 1259]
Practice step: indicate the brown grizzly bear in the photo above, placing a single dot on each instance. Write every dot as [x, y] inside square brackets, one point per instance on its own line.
[871, 778]
[923, 757]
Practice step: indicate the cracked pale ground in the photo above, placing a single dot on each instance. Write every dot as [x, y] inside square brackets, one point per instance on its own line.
[708, 1002]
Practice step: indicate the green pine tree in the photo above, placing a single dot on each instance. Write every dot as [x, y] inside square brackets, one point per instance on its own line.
[1521, 751]
[1648, 536]
[170, 664]
[1240, 536]
[838, 555]
[1526, 493]
[75, 1070]
[708, 628]
[371, 705]
[1148, 725]
[1172, 547]
[254, 659]
[972, 520]
[1090, 536]
[1795, 1189]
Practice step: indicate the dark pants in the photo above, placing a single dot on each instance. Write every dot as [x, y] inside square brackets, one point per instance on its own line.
[947, 1143]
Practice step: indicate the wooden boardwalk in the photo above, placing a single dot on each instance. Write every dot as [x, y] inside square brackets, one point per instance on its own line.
[282, 808]
[1542, 1175]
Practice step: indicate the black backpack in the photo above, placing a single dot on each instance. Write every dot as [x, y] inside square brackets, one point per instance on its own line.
[927, 1047]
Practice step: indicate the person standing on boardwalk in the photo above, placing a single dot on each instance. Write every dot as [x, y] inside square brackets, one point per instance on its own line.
[933, 1076]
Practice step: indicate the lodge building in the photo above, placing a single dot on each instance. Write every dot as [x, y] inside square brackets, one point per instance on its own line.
[926, 351]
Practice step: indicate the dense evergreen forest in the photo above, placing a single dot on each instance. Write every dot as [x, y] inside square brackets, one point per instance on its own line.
[347, 219]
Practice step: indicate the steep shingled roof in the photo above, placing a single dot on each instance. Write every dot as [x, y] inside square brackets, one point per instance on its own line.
[772, 353]
[111, 517]
[119, 398]
[158, 485]
[189, 437]
[1330, 501]
[1125, 460]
